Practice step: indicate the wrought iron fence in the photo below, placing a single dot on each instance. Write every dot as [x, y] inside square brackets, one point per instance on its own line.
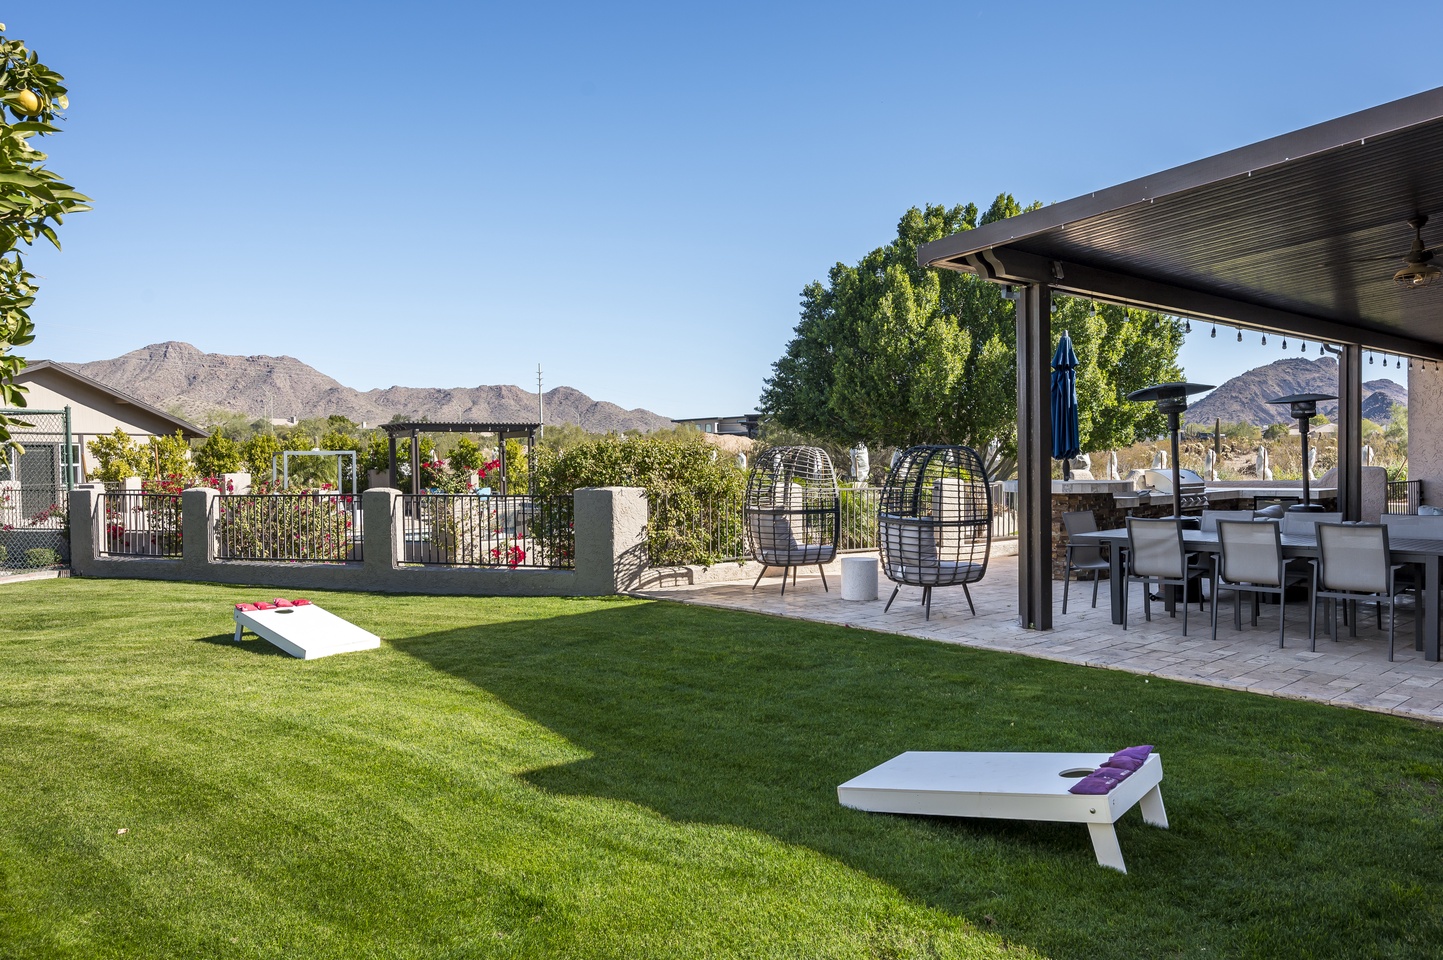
[858, 527]
[34, 490]
[135, 524]
[489, 531]
[315, 527]
[1404, 496]
[688, 527]
[1004, 513]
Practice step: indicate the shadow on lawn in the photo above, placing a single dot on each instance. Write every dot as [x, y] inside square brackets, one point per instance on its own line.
[712, 717]
[248, 644]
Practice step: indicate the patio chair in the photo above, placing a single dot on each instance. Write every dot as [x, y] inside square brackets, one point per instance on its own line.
[1355, 564]
[1210, 518]
[1302, 524]
[1251, 561]
[1156, 551]
[792, 511]
[934, 521]
[1082, 557]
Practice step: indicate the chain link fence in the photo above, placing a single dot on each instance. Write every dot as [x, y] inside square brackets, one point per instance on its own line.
[35, 482]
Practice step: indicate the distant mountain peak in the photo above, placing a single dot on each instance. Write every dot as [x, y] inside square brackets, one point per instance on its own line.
[174, 373]
[1244, 398]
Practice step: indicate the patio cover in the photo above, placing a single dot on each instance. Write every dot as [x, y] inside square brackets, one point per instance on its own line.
[1299, 234]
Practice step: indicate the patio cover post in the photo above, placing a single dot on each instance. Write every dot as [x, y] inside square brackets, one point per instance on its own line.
[416, 462]
[1350, 432]
[391, 460]
[1034, 456]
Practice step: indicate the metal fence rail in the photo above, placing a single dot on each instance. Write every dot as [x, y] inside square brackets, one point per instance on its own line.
[467, 530]
[688, 527]
[138, 524]
[315, 527]
[1404, 496]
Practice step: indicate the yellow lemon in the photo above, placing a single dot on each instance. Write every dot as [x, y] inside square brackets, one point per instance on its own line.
[27, 103]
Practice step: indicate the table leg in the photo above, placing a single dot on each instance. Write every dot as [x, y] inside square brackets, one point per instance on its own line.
[1114, 571]
[1104, 844]
[238, 629]
[1152, 809]
[1430, 608]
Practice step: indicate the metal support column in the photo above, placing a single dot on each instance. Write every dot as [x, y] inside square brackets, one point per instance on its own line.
[391, 461]
[416, 487]
[1034, 457]
[1350, 431]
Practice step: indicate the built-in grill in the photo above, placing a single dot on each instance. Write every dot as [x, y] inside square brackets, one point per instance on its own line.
[1192, 490]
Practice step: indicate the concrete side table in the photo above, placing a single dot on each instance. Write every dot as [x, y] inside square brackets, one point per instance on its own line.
[859, 578]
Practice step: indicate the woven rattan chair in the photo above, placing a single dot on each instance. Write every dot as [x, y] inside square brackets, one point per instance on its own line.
[934, 523]
[792, 511]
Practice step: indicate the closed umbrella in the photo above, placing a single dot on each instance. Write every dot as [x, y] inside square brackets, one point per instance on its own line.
[1065, 444]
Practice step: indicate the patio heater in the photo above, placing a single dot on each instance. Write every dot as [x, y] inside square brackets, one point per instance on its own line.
[1304, 406]
[1171, 399]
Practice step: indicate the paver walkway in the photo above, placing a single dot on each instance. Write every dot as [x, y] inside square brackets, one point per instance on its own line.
[1348, 672]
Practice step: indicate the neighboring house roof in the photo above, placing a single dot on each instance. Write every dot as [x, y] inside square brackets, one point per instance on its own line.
[91, 393]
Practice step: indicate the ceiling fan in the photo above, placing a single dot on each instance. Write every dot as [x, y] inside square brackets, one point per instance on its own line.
[1418, 269]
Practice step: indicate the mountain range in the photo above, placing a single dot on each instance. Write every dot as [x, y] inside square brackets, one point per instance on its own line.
[1244, 398]
[175, 375]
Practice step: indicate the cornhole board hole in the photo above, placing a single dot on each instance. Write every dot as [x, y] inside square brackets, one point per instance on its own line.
[307, 631]
[1010, 786]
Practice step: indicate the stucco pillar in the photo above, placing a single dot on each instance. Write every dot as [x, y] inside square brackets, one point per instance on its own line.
[383, 546]
[1425, 430]
[197, 535]
[84, 503]
[610, 528]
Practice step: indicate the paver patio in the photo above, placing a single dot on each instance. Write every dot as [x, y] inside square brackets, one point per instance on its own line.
[1354, 673]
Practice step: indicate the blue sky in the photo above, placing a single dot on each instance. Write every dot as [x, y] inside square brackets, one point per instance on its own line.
[632, 195]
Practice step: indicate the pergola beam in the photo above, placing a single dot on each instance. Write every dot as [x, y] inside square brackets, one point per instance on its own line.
[1019, 267]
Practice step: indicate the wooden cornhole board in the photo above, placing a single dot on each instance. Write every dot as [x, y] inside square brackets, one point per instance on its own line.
[307, 632]
[1010, 786]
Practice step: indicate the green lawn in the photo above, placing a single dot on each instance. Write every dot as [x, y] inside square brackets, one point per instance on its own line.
[614, 778]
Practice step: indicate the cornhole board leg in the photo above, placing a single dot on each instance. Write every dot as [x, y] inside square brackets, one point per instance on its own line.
[305, 632]
[1010, 786]
[1105, 845]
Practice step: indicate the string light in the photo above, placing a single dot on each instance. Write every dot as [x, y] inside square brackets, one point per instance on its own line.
[1285, 343]
[1320, 349]
[1240, 334]
[1399, 365]
[1187, 326]
[1215, 331]
[1370, 359]
[1303, 347]
[1265, 339]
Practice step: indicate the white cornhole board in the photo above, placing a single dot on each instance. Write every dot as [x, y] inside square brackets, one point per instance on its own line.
[306, 632]
[1010, 786]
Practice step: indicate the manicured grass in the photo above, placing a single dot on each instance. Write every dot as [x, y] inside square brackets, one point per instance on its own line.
[568, 778]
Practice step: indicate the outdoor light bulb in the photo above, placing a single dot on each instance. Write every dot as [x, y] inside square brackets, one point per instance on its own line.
[1187, 326]
[1215, 331]
[1265, 339]
[1370, 358]
[1399, 365]
[1320, 349]
[1285, 343]
[1303, 347]
[1240, 335]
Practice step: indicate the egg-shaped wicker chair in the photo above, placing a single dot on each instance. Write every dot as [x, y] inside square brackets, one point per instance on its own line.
[934, 523]
[792, 511]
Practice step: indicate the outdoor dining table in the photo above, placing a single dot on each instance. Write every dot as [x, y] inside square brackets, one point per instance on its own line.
[1426, 554]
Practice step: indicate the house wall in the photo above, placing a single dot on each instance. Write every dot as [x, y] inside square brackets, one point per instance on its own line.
[93, 412]
[1425, 431]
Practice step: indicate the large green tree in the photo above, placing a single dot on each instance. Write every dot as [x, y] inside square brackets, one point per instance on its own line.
[893, 354]
[33, 201]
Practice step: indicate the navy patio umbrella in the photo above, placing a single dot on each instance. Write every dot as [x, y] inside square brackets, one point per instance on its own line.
[1065, 444]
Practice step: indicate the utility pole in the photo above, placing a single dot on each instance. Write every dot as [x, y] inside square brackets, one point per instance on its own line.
[540, 405]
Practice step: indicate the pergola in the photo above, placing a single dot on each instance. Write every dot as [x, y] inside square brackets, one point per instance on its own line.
[503, 431]
[1299, 235]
